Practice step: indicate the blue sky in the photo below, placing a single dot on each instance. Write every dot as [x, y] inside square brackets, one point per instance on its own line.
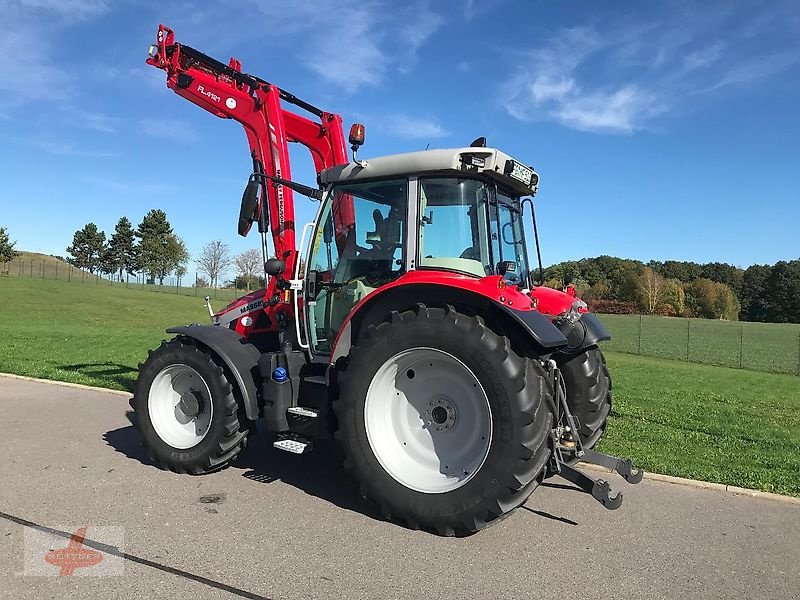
[660, 130]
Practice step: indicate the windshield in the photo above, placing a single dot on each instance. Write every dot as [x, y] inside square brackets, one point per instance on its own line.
[466, 226]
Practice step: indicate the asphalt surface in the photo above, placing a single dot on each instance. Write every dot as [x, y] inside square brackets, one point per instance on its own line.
[289, 527]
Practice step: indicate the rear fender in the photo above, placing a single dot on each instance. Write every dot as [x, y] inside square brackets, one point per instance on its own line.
[239, 356]
[525, 328]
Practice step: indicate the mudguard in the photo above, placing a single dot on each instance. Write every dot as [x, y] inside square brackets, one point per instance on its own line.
[539, 327]
[583, 333]
[239, 356]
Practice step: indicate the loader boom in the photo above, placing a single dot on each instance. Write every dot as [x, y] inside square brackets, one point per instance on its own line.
[227, 92]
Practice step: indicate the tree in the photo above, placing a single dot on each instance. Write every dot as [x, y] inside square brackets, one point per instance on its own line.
[650, 288]
[107, 263]
[87, 247]
[248, 265]
[177, 256]
[7, 252]
[726, 304]
[711, 300]
[154, 232]
[674, 296]
[122, 247]
[783, 292]
[214, 260]
[755, 295]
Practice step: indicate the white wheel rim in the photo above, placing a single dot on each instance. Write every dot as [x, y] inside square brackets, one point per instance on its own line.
[428, 420]
[182, 425]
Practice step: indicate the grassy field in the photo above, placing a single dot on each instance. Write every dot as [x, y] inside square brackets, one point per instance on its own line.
[772, 347]
[726, 425]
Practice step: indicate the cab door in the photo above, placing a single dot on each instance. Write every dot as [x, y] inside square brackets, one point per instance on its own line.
[357, 246]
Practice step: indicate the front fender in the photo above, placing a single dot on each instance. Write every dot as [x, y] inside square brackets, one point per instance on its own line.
[583, 333]
[239, 356]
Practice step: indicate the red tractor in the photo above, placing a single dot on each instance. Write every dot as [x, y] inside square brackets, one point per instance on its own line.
[407, 325]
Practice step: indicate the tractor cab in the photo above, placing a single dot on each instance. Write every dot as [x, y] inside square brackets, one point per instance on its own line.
[455, 210]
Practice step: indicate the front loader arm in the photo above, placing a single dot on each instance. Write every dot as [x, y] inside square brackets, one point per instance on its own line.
[226, 92]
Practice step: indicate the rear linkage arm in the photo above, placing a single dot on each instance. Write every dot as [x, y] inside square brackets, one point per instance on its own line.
[567, 428]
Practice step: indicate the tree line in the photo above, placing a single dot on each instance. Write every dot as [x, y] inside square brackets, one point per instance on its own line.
[713, 290]
[155, 250]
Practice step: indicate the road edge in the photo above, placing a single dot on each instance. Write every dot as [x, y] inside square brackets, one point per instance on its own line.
[79, 386]
[696, 483]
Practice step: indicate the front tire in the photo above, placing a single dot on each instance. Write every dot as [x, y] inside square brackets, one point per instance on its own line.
[186, 411]
[444, 426]
[588, 388]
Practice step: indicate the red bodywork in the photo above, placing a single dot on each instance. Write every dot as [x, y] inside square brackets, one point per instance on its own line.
[226, 92]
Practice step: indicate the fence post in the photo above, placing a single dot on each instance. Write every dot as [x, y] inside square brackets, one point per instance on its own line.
[688, 326]
[31, 267]
[56, 269]
[798, 354]
[20, 267]
[69, 274]
[639, 347]
[741, 345]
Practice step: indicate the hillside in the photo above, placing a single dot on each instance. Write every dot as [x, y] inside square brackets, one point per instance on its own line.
[44, 266]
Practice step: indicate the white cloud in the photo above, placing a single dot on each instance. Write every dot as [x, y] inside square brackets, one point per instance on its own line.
[95, 121]
[126, 187]
[410, 128]
[367, 44]
[169, 129]
[29, 70]
[67, 9]
[618, 78]
[63, 148]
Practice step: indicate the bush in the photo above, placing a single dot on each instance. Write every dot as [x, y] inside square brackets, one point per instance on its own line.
[666, 310]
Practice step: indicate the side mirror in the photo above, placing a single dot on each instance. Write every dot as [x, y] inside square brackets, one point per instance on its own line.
[247, 211]
[506, 266]
[275, 267]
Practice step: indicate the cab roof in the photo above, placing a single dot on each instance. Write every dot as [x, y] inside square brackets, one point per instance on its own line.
[452, 160]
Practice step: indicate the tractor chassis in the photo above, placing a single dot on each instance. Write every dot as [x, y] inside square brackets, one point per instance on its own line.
[568, 451]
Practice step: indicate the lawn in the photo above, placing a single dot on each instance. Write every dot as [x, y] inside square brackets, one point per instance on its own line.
[731, 426]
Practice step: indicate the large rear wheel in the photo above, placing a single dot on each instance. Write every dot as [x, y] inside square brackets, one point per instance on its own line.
[441, 422]
[186, 411]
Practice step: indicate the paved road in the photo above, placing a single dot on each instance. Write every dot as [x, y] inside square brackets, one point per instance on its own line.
[282, 526]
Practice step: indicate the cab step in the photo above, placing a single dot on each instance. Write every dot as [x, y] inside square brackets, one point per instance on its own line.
[294, 444]
[302, 411]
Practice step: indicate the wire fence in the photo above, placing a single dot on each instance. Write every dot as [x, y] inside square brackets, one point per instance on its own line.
[771, 347]
[50, 268]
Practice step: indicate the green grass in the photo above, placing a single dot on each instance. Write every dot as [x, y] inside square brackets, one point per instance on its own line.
[772, 347]
[94, 335]
[731, 426]
[703, 422]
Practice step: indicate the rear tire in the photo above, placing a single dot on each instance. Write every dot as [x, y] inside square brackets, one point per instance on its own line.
[417, 448]
[588, 386]
[186, 411]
